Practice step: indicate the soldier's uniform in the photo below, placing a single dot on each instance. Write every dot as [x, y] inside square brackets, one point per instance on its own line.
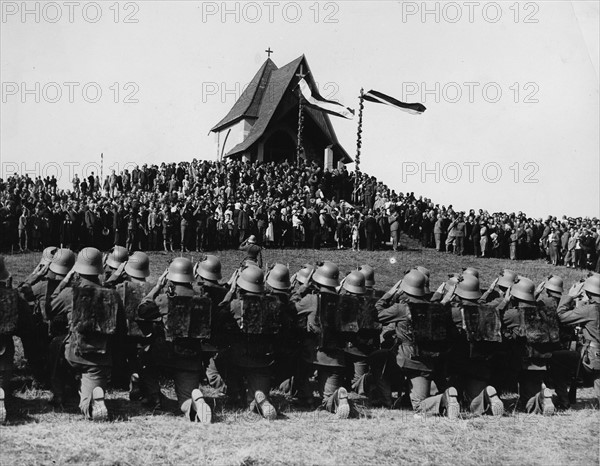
[178, 356]
[588, 317]
[420, 366]
[478, 338]
[323, 346]
[532, 337]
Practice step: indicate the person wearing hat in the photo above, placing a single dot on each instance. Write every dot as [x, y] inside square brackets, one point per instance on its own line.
[177, 357]
[366, 340]
[323, 347]
[587, 316]
[208, 275]
[253, 251]
[14, 321]
[494, 295]
[395, 308]
[129, 280]
[252, 343]
[469, 360]
[87, 353]
[528, 357]
[116, 257]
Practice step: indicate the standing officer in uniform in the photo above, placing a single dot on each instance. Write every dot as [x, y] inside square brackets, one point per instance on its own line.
[323, 346]
[175, 348]
[587, 315]
[88, 350]
[530, 344]
[469, 361]
[400, 306]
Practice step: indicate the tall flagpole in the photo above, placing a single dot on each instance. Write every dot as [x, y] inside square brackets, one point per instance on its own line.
[361, 105]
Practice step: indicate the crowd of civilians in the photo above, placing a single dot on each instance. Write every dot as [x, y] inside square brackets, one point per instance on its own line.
[204, 205]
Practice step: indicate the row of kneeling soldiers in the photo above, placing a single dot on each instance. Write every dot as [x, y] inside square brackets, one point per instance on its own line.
[84, 319]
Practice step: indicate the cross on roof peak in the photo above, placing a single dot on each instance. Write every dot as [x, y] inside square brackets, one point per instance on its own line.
[269, 52]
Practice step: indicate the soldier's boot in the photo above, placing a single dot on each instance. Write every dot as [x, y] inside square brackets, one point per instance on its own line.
[99, 411]
[135, 390]
[496, 405]
[342, 406]
[547, 404]
[264, 406]
[452, 407]
[201, 411]
[2, 408]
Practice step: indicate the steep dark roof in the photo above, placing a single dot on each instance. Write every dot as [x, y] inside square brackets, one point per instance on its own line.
[248, 104]
[263, 96]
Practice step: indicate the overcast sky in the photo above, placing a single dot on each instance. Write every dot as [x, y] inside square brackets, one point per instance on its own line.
[511, 89]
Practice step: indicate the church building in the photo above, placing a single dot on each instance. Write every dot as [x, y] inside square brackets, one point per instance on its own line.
[263, 123]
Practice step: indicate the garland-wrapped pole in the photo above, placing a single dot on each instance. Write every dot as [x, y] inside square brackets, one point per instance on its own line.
[359, 131]
[299, 147]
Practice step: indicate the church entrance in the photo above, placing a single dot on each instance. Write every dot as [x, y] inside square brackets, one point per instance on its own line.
[279, 147]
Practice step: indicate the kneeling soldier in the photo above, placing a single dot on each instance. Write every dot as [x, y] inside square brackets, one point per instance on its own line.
[185, 315]
[93, 317]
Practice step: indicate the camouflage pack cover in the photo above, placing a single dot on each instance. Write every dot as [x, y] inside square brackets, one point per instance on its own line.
[430, 322]
[367, 314]
[539, 325]
[94, 310]
[347, 315]
[131, 295]
[261, 315]
[9, 311]
[188, 317]
[327, 314]
[482, 323]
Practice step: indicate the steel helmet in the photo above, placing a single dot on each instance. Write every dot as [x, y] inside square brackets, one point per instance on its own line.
[181, 270]
[355, 283]
[304, 272]
[48, 255]
[554, 283]
[4, 274]
[369, 273]
[327, 275]
[251, 279]
[424, 270]
[471, 271]
[468, 287]
[63, 261]
[413, 283]
[278, 277]
[89, 262]
[116, 256]
[252, 239]
[210, 268]
[507, 279]
[523, 289]
[592, 284]
[138, 265]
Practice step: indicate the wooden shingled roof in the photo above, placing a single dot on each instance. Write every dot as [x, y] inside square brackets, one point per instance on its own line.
[261, 99]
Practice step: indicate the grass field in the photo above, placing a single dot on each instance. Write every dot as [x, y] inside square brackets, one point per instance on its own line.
[37, 434]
